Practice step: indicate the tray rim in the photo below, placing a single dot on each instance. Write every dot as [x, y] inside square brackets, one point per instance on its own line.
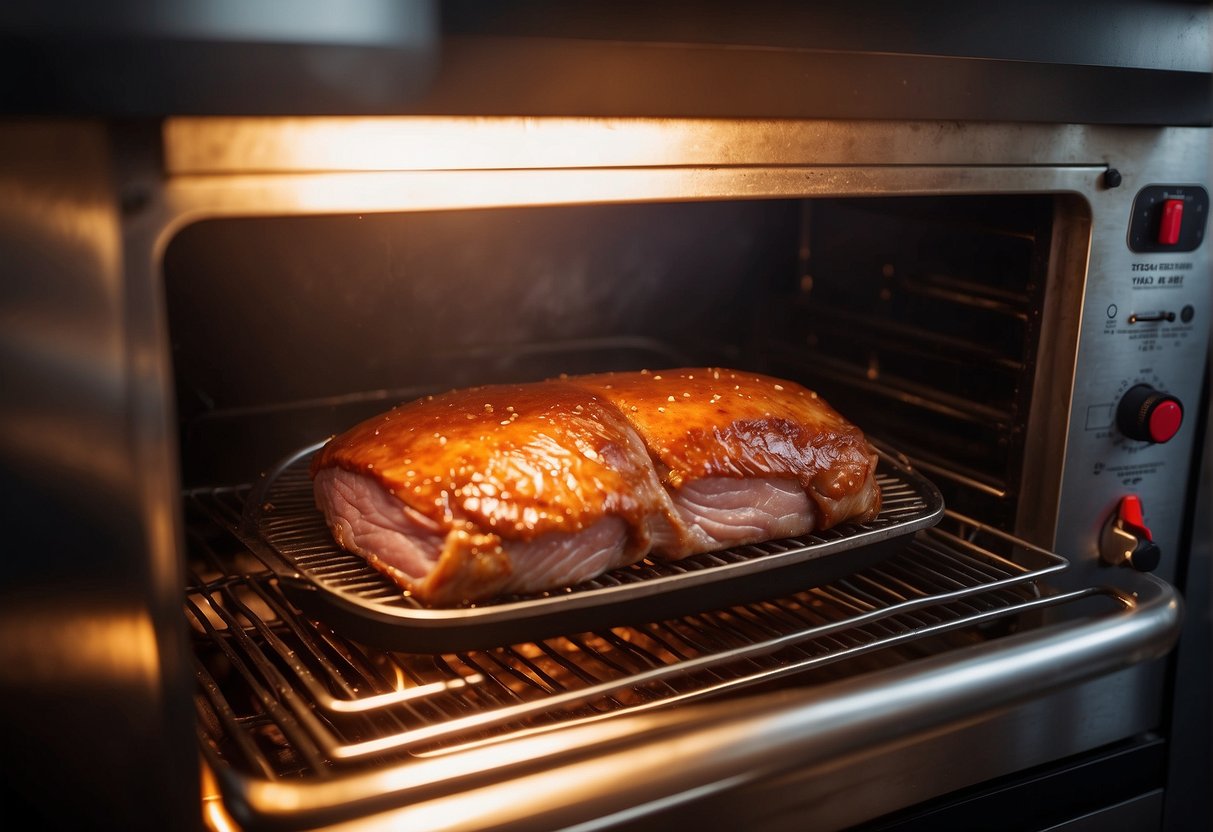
[556, 602]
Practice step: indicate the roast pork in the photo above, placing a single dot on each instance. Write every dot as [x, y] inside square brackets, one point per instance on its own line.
[520, 488]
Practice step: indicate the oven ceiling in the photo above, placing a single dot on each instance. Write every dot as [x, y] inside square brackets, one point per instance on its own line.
[1123, 61]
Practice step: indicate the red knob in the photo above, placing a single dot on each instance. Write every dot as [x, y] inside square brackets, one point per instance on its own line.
[1165, 420]
[1149, 415]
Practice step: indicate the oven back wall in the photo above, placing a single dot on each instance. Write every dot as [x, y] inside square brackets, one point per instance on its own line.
[302, 325]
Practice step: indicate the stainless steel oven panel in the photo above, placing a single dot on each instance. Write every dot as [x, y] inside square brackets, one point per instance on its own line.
[1102, 464]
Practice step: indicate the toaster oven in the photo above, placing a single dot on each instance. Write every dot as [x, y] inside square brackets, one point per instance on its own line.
[1016, 311]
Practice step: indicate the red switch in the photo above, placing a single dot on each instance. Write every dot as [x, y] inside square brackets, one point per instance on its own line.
[1171, 223]
[1126, 539]
[1131, 517]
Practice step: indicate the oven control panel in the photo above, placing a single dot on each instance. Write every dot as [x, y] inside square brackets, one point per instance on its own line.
[1138, 385]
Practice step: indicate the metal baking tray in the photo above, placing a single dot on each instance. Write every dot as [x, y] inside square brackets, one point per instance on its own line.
[283, 526]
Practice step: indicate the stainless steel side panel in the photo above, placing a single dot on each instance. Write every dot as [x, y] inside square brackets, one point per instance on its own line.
[94, 683]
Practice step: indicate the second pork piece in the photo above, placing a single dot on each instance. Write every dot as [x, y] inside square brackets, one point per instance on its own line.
[745, 457]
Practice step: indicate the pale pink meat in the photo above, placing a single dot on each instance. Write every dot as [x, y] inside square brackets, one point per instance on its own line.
[367, 520]
[718, 512]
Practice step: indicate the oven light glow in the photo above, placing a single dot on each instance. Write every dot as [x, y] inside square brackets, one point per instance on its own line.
[453, 190]
[241, 145]
[196, 197]
[350, 164]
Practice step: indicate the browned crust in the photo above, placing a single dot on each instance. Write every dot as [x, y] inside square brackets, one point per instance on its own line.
[518, 461]
[514, 460]
[710, 422]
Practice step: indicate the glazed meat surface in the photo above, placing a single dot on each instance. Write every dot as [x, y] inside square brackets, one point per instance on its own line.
[726, 442]
[521, 488]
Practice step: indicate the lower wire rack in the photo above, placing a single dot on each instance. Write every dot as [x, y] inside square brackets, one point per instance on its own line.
[281, 695]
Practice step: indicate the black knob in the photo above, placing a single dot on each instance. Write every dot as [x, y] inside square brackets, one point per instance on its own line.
[1149, 415]
[1145, 556]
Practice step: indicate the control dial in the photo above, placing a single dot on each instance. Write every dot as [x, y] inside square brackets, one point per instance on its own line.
[1149, 415]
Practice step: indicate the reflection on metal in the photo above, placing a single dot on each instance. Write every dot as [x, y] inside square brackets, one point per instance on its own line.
[119, 646]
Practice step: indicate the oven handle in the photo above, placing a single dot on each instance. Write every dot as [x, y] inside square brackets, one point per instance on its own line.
[592, 776]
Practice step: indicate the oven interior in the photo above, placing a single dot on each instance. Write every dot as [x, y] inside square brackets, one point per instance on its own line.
[917, 317]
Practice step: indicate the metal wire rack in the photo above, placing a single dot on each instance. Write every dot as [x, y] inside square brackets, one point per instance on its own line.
[283, 696]
[281, 522]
